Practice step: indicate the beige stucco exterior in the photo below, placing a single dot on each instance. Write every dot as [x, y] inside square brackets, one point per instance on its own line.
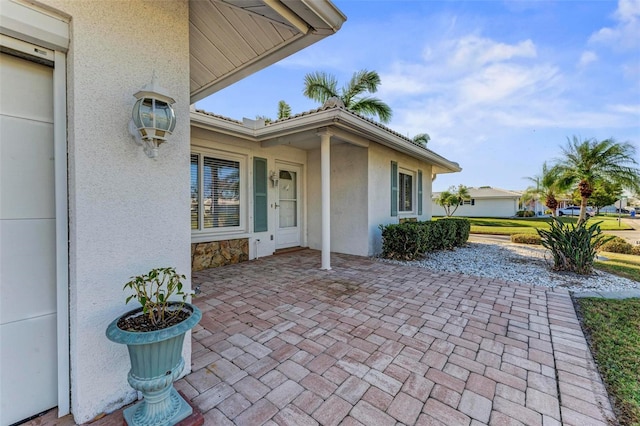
[126, 213]
[115, 191]
[360, 176]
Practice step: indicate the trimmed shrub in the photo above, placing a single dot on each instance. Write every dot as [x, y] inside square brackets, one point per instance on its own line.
[525, 213]
[617, 245]
[636, 250]
[573, 247]
[411, 240]
[403, 241]
[462, 229]
[525, 239]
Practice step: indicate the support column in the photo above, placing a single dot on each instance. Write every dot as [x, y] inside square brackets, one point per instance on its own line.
[325, 177]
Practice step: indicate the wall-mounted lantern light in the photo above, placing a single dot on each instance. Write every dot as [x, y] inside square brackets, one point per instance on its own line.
[274, 178]
[153, 118]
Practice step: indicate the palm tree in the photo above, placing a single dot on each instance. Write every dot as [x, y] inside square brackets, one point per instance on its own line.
[284, 110]
[453, 198]
[321, 86]
[589, 161]
[546, 187]
[422, 139]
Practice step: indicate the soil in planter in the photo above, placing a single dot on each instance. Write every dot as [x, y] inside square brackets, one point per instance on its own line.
[141, 323]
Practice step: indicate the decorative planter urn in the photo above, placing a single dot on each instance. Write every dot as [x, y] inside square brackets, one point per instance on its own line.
[156, 361]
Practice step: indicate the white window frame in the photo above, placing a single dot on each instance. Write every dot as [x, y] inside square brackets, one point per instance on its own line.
[243, 198]
[414, 191]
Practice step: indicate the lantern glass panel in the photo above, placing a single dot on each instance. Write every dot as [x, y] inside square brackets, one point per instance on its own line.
[165, 119]
[143, 113]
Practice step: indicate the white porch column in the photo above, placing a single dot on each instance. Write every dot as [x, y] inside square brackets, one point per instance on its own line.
[325, 177]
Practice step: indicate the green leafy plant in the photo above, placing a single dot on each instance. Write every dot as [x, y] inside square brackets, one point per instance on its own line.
[617, 245]
[154, 290]
[573, 247]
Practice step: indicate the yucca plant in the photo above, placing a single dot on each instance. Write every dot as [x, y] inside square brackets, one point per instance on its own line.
[573, 247]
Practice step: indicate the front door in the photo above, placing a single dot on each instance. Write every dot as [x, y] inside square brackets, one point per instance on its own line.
[288, 229]
[28, 342]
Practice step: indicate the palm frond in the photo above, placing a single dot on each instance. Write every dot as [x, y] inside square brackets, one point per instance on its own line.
[361, 82]
[320, 86]
[372, 107]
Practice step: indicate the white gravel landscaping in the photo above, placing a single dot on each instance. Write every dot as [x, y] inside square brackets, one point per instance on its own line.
[518, 263]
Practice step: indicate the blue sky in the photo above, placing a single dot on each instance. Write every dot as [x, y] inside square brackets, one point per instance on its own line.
[499, 86]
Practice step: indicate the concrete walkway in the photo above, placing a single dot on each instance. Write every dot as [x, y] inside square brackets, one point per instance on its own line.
[371, 343]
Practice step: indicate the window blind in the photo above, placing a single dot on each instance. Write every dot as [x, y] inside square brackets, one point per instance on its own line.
[220, 193]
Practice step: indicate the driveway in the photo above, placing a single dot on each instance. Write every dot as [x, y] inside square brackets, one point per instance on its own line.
[373, 343]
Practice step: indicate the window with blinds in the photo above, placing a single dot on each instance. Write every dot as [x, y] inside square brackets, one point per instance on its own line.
[215, 192]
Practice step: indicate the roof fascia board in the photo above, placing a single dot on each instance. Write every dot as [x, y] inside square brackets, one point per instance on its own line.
[219, 125]
[330, 15]
[346, 125]
[384, 137]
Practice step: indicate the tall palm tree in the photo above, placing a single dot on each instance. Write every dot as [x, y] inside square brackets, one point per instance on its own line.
[589, 161]
[321, 86]
[546, 186]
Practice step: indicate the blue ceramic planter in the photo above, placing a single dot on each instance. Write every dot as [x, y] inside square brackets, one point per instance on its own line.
[156, 361]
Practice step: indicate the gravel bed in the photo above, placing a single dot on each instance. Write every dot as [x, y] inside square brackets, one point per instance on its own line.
[518, 263]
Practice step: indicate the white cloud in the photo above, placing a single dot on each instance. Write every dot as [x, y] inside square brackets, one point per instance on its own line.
[466, 91]
[587, 57]
[625, 34]
[475, 51]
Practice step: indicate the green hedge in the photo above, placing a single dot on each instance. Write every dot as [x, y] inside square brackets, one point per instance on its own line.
[526, 239]
[411, 240]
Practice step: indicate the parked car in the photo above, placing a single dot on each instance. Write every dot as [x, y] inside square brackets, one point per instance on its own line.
[574, 211]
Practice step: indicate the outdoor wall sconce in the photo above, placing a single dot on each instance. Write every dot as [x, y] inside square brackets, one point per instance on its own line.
[153, 118]
[274, 178]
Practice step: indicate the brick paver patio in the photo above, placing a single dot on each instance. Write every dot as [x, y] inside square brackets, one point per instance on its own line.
[372, 343]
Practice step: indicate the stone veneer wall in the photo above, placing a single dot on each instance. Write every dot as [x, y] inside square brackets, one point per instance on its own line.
[218, 253]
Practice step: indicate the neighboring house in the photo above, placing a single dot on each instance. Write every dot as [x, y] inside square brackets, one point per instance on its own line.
[82, 208]
[484, 201]
[258, 187]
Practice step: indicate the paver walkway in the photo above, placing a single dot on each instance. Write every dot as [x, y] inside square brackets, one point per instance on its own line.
[372, 343]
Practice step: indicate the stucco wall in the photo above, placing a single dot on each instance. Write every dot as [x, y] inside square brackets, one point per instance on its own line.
[314, 200]
[127, 213]
[348, 199]
[206, 140]
[360, 196]
[496, 207]
[380, 158]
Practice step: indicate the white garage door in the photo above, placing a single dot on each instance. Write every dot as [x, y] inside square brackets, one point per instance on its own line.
[28, 380]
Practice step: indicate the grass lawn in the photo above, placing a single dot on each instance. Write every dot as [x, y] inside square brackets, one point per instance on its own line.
[509, 226]
[613, 330]
[624, 265]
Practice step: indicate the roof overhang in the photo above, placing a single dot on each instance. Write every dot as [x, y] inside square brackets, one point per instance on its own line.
[302, 132]
[231, 39]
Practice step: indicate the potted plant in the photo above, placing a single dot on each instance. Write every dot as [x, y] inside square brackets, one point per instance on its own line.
[154, 335]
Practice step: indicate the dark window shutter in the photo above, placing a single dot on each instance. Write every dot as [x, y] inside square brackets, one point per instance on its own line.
[260, 201]
[394, 188]
[419, 192]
